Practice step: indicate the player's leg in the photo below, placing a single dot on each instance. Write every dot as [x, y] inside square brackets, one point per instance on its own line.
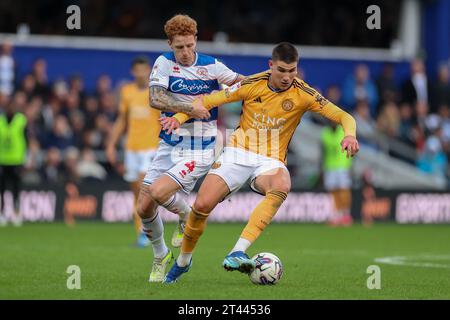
[331, 185]
[205, 202]
[142, 240]
[152, 226]
[345, 196]
[167, 193]
[2, 193]
[16, 183]
[275, 185]
[134, 177]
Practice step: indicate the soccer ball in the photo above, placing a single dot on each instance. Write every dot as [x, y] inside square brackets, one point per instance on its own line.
[268, 270]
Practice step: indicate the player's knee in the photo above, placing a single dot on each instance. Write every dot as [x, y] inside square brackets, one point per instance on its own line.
[284, 187]
[157, 194]
[203, 205]
[145, 207]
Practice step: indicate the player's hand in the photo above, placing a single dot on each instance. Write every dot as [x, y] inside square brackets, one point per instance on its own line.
[169, 124]
[351, 145]
[111, 155]
[199, 111]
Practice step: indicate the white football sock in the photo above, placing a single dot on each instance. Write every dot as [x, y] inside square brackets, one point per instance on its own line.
[178, 205]
[241, 245]
[154, 230]
[184, 259]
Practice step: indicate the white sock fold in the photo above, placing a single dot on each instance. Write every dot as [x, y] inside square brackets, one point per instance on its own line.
[177, 205]
[184, 259]
[154, 230]
[241, 245]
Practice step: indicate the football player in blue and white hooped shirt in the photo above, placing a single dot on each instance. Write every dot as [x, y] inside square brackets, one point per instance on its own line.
[176, 80]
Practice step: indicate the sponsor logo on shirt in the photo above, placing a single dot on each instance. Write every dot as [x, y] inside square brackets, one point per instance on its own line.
[192, 87]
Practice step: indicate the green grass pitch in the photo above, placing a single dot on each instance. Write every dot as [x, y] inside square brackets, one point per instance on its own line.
[319, 263]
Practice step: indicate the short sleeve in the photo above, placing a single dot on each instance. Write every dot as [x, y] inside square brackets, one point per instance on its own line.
[224, 74]
[160, 73]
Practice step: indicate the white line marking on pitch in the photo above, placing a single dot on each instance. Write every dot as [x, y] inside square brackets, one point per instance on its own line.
[411, 261]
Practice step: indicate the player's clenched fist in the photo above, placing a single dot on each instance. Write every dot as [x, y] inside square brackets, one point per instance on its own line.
[351, 145]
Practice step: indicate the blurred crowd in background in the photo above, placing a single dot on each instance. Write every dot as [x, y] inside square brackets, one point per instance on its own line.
[68, 126]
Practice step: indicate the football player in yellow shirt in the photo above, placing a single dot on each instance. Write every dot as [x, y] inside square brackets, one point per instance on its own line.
[273, 104]
[142, 127]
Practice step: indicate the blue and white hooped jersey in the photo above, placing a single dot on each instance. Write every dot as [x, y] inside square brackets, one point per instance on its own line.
[204, 76]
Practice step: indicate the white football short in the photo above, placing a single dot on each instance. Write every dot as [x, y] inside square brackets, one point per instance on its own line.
[337, 179]
[137, 163]
[237, 166]
[184, 166]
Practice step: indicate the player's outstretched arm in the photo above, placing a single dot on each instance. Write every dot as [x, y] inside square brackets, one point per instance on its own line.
[163, 100]
[209, 101]
[119, 127]
[349, 144]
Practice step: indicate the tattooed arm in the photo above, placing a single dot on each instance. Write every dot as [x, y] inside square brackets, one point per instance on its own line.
[163, 100]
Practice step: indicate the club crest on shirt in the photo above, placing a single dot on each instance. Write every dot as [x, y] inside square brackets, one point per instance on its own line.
[321, 100]
[202, 71]
[287, 105]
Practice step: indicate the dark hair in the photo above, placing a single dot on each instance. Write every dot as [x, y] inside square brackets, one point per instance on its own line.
[285, 52]
[140, 60]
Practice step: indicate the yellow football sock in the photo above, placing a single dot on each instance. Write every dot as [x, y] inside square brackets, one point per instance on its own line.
[263, 214]
[195, 225]
[337, 200]
[346, 199]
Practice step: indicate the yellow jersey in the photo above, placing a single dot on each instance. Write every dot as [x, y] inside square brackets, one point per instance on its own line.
[143, 125]
[269, 117]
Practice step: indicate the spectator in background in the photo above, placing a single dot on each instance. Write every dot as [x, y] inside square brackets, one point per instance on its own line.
[28, 86]
[366, 127]
[70, 166]
[61, 136]
[60, 90]
[104, 85]
[432, 159]
[440, 91]
[387, 89]
[76, 85]
[40, 75]
[51, 172]
[444, 113]
[88, 167]
[13, 149]
[359, 87]
[35, 119]
[416, 88]
[71, 104]
[334, 94]
[336, 174]
[108, 106]
[7, 69]
[421, 114]
[406, 124]
[388, 121]
[34, 161]
[91, 111]
[76, 121]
